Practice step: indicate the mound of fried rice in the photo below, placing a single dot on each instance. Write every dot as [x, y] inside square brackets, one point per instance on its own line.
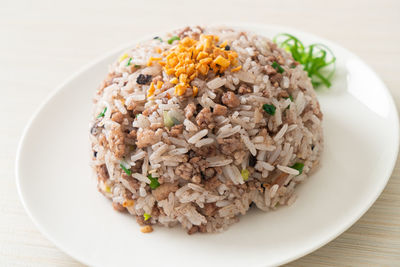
[193, 127]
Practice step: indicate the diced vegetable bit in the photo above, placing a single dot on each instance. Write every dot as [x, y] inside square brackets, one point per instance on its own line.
[137, 66]
[172, 39]
[278, 67]
[129, 62]
[318, 60]
[245, 174]
[227, 48]
[108, 189]
[168, 121]
[102, 113]
[157, 38]
[290, 97]
[298, 166]
[137, 115]
[127, 171]
[270, 109]
[153, 182]
[123, 57]
[143, 79]
[146, 216]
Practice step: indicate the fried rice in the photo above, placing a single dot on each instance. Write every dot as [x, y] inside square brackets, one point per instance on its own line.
[195, 126]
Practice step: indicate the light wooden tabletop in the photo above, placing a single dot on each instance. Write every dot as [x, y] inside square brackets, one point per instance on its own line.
[44, 42]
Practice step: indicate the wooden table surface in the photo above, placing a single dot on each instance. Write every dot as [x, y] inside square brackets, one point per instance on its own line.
[44, 42]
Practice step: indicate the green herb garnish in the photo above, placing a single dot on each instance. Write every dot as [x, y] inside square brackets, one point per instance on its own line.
[245, 174]
[318, 60]
[298, 166]
[127, 171]
[270, 109]
[102, 113]
[137, 66]
[172, 39]
[153, 182]
[157, 38]
[290, 97]
[146, 216]
[278, 67]
[129, 62]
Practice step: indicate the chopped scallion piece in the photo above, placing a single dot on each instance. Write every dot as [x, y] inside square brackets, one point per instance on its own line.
[172, 39]
[168, 120]
[290, 97]
[146, 216]
[127, 171]
[270, 109]
[102, 113]
[157, 38]
[129, 62]
[137, 66]
[278, 67]
[298, 166]
[245, 174]
[153, 182]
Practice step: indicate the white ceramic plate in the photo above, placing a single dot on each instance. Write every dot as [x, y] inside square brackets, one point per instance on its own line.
[59, 193]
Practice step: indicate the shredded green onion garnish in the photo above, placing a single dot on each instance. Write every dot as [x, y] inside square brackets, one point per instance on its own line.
[102, 113]
[298, 166]
[245, 174]
[318, 60]
[172, 39]
[146, 216]
[127, 171]
[270, 109]
[129, 62]
[278, 67]
[153, 182]
[158, 38]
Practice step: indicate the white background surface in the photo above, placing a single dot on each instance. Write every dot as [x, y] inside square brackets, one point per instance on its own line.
[44, 42]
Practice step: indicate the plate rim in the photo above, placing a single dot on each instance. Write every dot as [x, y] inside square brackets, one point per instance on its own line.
[251, 27]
